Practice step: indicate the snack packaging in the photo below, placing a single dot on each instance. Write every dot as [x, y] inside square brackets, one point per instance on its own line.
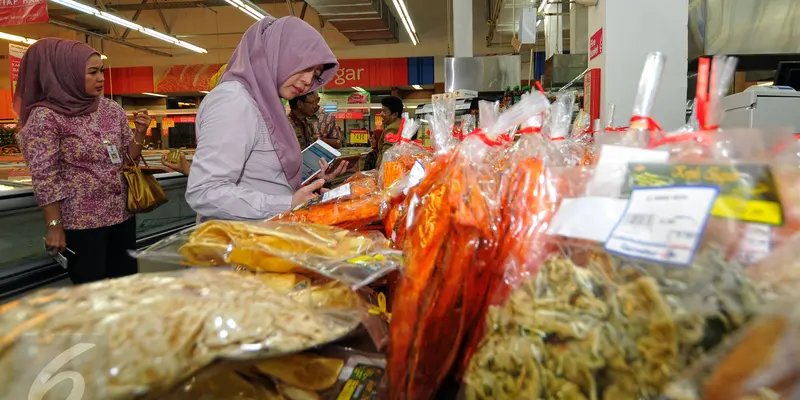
[332, 373]
[140, 335]
[399, 159]
[612, 299]
[449, 247]
[280, 247]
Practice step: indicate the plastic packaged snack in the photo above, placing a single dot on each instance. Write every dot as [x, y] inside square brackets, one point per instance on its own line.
[283, 247]
[613, 300]
[333, 373]
[450, 242]
[140, 335]
[400, 158]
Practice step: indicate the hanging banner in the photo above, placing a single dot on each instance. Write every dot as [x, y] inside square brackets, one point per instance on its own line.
[15, 53]
[21, 12]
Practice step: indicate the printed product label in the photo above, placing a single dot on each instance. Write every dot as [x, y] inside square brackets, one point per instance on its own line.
[747, 192]
[663, 224]
[362, 383]
[756, 243]
[333, 194]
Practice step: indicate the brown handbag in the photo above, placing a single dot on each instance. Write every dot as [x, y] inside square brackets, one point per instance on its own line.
[144, 192]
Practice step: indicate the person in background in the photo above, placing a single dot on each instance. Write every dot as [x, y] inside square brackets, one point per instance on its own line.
[392, 114]
[76, 142]
[248, 164]
[324, 125]
[371, 160]
[301, 108]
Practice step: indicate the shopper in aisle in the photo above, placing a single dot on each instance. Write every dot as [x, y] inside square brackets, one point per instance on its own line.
[248, 164]
[301, 108]
[75, 142]
[392, 114]
[324, 125]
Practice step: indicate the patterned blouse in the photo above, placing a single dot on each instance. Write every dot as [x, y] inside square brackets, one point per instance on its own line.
[69, 162]
[303, 130]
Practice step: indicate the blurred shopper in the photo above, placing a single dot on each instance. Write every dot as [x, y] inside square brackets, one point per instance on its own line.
[371, 160]
[301, 108]
[248, 165]
[324, 125]
[75, 142]
[392, 113]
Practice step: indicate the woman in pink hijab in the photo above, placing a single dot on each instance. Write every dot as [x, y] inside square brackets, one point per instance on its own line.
[75, 142]
[248, 165]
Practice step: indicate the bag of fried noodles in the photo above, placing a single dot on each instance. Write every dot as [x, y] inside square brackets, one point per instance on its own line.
[280, 247]
[140, 335]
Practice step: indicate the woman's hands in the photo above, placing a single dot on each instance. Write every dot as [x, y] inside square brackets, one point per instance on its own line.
[141, 118]
[181, 166]
[55, 240]
[327, 177]
[308, 192]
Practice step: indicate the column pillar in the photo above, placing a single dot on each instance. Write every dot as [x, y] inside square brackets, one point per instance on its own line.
[578, 29]
[554, 27]
[630, 30]
[462, 28]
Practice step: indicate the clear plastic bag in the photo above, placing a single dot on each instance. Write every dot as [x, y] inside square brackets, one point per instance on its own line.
[140, 335]
[577, 318]
[400, 158]
[280, 247]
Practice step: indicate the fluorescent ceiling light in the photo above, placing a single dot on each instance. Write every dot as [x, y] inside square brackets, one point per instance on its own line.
[249, 8]
[766, 83]
[418, 87]
[204, 91]
[103, 57]
[84, 8]
[359, 89]
[15, 38]
[542, 6]
[154, 94]
[539, 23]
[406, 19]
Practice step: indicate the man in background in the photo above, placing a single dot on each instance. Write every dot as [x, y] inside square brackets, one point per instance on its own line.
[301, 109]
[324, 124]
[392, 113]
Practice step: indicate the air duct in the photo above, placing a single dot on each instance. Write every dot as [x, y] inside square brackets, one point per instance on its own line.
[363, 22]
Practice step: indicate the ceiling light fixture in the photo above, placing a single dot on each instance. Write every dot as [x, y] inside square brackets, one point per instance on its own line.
[16, 39]
[154, 94]
[84, 8]
[250, 9]
[418, 87]
[204, 91]
[406, 19]
[359, 89]
[542, 6]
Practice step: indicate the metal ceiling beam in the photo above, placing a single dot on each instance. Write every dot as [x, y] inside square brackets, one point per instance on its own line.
[172, 5]
[109, 38]
[133, 19]
[163, 20]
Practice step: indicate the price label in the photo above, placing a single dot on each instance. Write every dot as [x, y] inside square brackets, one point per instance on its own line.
[359, 137]
[167, 123]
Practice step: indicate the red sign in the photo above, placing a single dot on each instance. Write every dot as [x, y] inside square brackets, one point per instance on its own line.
[187, 119]
[358, 98]
[367, 73]
[349, 115]
[15, 53]
[184, 78]
[21, 12]
[596, 44]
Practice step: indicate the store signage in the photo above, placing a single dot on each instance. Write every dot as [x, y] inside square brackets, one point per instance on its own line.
[187, 119]
[167, 123]
[349, 115]
[379, 121]
[596, 44]
[184, 78]
[371, 73]
[358, 98]
[23, 12]
[15, 53]
[359, 136]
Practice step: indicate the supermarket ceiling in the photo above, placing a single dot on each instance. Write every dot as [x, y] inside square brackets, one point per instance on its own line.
[216, 26]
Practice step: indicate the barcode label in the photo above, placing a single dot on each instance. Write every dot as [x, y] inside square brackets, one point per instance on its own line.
[640, 220]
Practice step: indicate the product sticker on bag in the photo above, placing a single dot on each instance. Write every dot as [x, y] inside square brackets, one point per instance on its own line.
[415, 176]
[756, 243]
[663, 224]
[333, 194]
[612, 167]
[363, 379]
[747, 192]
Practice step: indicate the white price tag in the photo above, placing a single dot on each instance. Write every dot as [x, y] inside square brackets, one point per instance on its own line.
[663, 224]
[756, 243]
[333, 194]
[415, 176]
[113, 153]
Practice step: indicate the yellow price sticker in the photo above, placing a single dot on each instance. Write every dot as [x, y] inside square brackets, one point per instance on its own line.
[360, 138]
[167, 123]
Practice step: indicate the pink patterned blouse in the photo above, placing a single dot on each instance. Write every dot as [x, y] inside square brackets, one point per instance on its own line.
[69, 162]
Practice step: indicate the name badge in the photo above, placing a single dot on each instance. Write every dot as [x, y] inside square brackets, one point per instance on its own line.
[113, 153]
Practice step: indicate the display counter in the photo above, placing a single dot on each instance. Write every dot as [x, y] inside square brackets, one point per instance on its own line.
[25, 265]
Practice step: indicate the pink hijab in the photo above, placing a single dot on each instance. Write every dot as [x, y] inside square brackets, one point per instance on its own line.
[53, 75]
[270, 52]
